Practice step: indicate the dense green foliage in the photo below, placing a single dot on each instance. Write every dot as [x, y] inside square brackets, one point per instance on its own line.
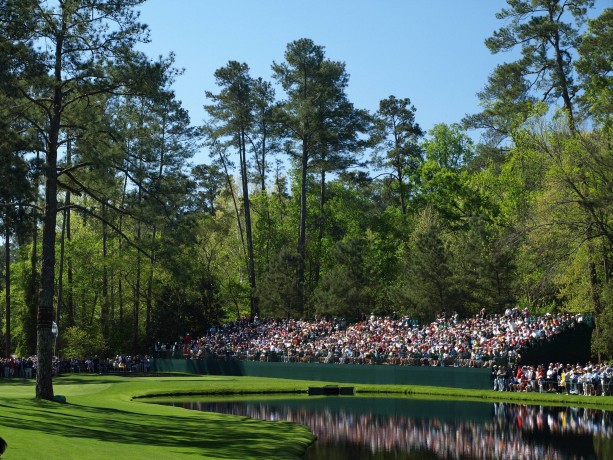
[309, 206]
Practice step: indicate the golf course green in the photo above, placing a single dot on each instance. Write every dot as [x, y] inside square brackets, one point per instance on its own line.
[102, 420]
[105, 416]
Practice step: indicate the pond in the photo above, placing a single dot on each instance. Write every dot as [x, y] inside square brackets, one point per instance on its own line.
[365, 428]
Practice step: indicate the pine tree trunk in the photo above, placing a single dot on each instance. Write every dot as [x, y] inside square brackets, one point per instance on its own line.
[7, 290]
[136, 303]
[60, 286]
[44, 342]
[248, 231]
[563, 81]
[150, 285]
[320, 227]
[31, 297]
[44, 336]
[104, 316]
[120, 283]
[401, 189]
[70, 320]
[302, 231]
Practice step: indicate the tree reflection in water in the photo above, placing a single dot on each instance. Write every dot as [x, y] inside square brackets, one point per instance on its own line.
[512, 431]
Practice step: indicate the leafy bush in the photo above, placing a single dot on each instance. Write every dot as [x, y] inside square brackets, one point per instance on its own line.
[77, 342]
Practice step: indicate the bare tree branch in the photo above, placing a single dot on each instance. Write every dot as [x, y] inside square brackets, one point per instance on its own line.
[9, 205]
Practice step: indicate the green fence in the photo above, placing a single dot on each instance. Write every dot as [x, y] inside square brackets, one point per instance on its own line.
[454, 377]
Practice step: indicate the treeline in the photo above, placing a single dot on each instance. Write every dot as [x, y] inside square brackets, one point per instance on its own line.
[308, 205]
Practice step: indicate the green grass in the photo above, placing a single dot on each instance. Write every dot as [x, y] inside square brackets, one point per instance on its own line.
[534, 398]
[105, 417]
[101, 420]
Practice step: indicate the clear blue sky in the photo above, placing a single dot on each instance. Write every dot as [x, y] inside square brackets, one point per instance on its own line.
[431, 51]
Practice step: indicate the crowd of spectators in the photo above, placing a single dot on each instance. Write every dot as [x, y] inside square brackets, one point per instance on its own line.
[588, 380]
[15, 367]
[97, 365]
[479, 341]
[495, 341]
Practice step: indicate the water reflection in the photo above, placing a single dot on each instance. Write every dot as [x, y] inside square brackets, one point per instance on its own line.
[383, 428]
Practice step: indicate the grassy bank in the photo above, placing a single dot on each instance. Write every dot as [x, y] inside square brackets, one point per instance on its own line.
[105, 417]
[534, 398]
[101, 420]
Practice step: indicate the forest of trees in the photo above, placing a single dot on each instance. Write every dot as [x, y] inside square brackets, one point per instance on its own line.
[308, 206]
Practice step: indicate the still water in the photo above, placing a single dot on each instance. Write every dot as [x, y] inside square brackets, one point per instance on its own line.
[361, 428]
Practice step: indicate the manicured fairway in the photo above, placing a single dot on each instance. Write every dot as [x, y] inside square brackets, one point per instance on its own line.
[105, 417]
[101, 421]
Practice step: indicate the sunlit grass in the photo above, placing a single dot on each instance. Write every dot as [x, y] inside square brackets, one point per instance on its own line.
[101, 420]
[534, 398]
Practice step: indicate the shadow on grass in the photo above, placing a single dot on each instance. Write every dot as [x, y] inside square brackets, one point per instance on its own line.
[221, 436]
[16, 382]
[60, 380]
[88, 379]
